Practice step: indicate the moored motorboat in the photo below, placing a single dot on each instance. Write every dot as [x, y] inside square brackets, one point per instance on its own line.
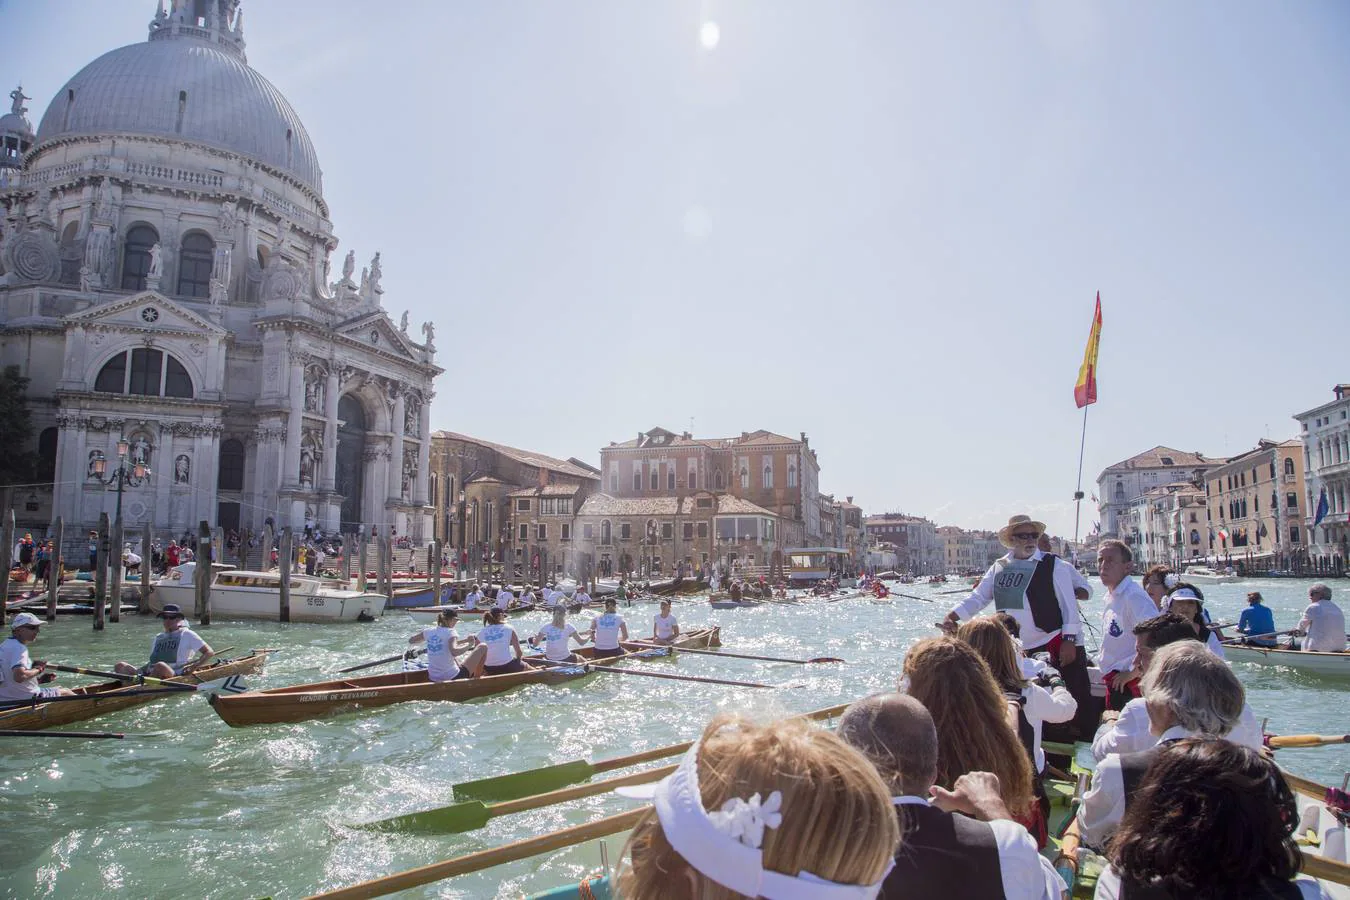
[111, 696]
[1312, 662]
[300, 702]
[1206, 575]
[244, 594]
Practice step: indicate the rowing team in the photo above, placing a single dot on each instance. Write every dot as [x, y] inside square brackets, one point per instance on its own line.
[495, 650]
[505, 599]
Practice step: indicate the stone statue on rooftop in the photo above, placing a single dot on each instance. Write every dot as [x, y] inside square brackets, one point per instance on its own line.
[156, 261]
[375, 275]
[403, 322]
[349, 265]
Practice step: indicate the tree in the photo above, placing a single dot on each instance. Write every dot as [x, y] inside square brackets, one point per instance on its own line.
[16, 429]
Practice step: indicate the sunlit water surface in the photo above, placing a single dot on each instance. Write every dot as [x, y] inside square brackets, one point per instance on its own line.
[211, 811]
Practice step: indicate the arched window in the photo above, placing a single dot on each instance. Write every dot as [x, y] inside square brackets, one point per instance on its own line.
[745, 477]
[194, 265]
[718, 480]
[606, 533]
[136, 257]
[670, 479]
[231, 468]
[768, 477]
[146, 372]
[46, 462]
[1289, 465]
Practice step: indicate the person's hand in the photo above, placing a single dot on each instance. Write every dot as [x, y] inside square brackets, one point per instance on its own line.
[40, 664]
[1067, 653]
[46, 678]
[1125, 678]
[975, 793]
[948, 625]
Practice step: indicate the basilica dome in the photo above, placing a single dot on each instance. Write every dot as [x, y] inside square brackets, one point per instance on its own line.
[185, 87]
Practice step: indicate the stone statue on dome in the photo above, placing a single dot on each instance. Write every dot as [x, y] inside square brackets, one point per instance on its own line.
[17, 96]
[429, 330]
[375, 275]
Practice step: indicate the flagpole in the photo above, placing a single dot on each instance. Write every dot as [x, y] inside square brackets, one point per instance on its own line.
[1078, 493]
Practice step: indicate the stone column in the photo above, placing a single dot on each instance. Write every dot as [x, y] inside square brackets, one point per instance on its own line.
[424, 455]
[161, 516]
[395, 484]
[293, 422]
[330, 404]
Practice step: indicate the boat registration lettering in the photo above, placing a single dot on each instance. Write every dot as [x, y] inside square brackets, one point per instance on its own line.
[345, 695]
[315, 601]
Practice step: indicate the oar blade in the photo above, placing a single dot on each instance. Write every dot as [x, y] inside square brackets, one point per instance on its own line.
[523, 784]
[234, 684]
[453, 819]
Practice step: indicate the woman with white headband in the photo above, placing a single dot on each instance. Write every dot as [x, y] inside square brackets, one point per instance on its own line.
[783, 811]
[1186, 601]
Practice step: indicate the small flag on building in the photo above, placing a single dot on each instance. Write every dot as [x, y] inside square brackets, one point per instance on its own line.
[1322, 508]
[1223, 535]
[1085, 391]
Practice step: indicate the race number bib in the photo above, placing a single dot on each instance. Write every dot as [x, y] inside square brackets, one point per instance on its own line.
[1010, 584]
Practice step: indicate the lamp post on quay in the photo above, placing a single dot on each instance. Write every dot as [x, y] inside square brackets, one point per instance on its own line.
[135, 475]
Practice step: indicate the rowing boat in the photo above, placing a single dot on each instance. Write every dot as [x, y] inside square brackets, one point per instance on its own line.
[109, 696]
[724, 601]
[426, 615]
[1313, 662]
[330, 698]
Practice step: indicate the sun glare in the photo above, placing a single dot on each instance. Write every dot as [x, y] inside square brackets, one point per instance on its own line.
[709, 34]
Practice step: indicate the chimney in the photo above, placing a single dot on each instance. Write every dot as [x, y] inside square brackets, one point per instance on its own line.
[639, 439]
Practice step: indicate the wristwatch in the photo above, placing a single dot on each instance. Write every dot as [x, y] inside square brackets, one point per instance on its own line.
[1070, 639]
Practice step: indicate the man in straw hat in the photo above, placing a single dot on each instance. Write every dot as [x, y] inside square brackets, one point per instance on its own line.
[1036, 588]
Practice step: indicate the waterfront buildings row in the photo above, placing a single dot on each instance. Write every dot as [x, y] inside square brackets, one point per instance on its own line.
[1280, 505]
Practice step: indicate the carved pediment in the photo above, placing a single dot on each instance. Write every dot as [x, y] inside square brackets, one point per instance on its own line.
[147, 311]
[375, 330]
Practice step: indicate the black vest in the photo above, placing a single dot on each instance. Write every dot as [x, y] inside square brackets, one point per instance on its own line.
[1025, 733]
[1262, 889]
[943, 855]
[1045, 611]
[1133, 768]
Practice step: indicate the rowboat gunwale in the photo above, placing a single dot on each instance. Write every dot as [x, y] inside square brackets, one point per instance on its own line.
[109, 696]
[1315, 662]
[315, 700]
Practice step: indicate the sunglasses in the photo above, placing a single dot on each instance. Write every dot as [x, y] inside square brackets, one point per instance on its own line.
[1027, 535]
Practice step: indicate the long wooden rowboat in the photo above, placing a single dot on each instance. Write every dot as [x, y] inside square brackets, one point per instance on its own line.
[330, 698]
[1312, 662]
[426, 615]
[109, 696]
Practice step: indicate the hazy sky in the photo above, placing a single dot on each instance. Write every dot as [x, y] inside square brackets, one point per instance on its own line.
[881, 223]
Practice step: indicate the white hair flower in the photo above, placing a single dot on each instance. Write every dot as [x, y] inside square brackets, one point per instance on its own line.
[1171, 580]
[745, 820]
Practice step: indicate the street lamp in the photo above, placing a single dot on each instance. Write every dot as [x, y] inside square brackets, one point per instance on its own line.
[137, 475]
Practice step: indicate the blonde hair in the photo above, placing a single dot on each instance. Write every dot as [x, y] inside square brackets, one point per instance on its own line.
[995, 646]
[838, 822]
[971, 714]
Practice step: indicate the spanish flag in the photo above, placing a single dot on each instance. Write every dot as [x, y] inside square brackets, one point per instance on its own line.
[1085, 391]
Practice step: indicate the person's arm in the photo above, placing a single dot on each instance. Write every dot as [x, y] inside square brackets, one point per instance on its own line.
[975, 793]
[21, 674]
[1103, 804]
[1244, 622]
[674, 628]
[976, 600]
[515, 645]
[576, 636]
[418, 638]
[1306, 621]
[623, 629]
[204, 653]
[1068, 603]
[1051, 705]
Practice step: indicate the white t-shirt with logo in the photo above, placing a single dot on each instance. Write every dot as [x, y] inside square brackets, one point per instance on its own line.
[504, 598]
[498, 641]
[14, 652]
[441, 664]
[175, 647]
[607, 631]
[665, 627]
[556, 640]
[472, 601]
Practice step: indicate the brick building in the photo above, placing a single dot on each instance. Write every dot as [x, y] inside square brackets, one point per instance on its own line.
[916, 540]
[776, 473]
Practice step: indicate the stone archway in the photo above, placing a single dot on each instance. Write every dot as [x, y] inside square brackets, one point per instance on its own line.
[349, 479]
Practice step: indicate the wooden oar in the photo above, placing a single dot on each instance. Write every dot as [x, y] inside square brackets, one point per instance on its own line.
[8, 705]
[137, 679]
[105, 735]
[914, 597]
[379, 662]
[486, 859]
[548, 778]
[1291, 741]
[777, 659]
[962, 591]
[1238, 641]
[592, 667]
[470, 815]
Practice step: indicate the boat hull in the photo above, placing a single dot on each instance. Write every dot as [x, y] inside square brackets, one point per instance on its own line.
[1326, 664]
[110, 696]
[412, 596]
[326, 606]
[332, 698]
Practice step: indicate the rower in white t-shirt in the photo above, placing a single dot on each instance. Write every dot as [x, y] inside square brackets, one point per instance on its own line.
[556, 637]
[607, 630]
[505, 598]
[20, 676]
[171, 650]
[503, 646]
[443, 643]
[474, 598]
[664, 627]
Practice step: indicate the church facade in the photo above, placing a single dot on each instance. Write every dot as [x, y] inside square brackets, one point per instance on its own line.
[165, 285]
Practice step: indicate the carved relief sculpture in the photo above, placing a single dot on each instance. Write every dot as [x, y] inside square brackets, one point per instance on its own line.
[182, 469]
[156, 261]
[412, 418]
[409, 469]
[307, 463]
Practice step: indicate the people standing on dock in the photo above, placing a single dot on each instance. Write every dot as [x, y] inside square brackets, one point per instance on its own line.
[1036, 589]
[982, 853]
[1323, 622]
[1125, 606]
[556, 637]
[443, 646]
[608, 629]
[664, 627]
[171, 650]
[1257, 622]
[93, 550]
[21, 677]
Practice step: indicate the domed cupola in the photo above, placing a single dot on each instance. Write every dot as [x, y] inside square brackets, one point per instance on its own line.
[190, 81]
[16, 132]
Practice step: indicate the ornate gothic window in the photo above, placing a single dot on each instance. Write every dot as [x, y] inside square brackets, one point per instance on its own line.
[136, 257]
[194, 265]
[146, 372]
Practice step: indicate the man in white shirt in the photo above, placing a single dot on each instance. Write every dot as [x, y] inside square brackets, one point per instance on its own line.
[1189, 692]
[1125, 606]
[473, 598]
[1323, 623]
[1036, 589]
[944, 854]
[171, 650]
[1128, 731]
[19, 674]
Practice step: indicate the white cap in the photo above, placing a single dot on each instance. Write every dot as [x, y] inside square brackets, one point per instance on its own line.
[25, 619]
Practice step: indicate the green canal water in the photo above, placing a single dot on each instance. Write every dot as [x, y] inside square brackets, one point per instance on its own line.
[210, 811]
